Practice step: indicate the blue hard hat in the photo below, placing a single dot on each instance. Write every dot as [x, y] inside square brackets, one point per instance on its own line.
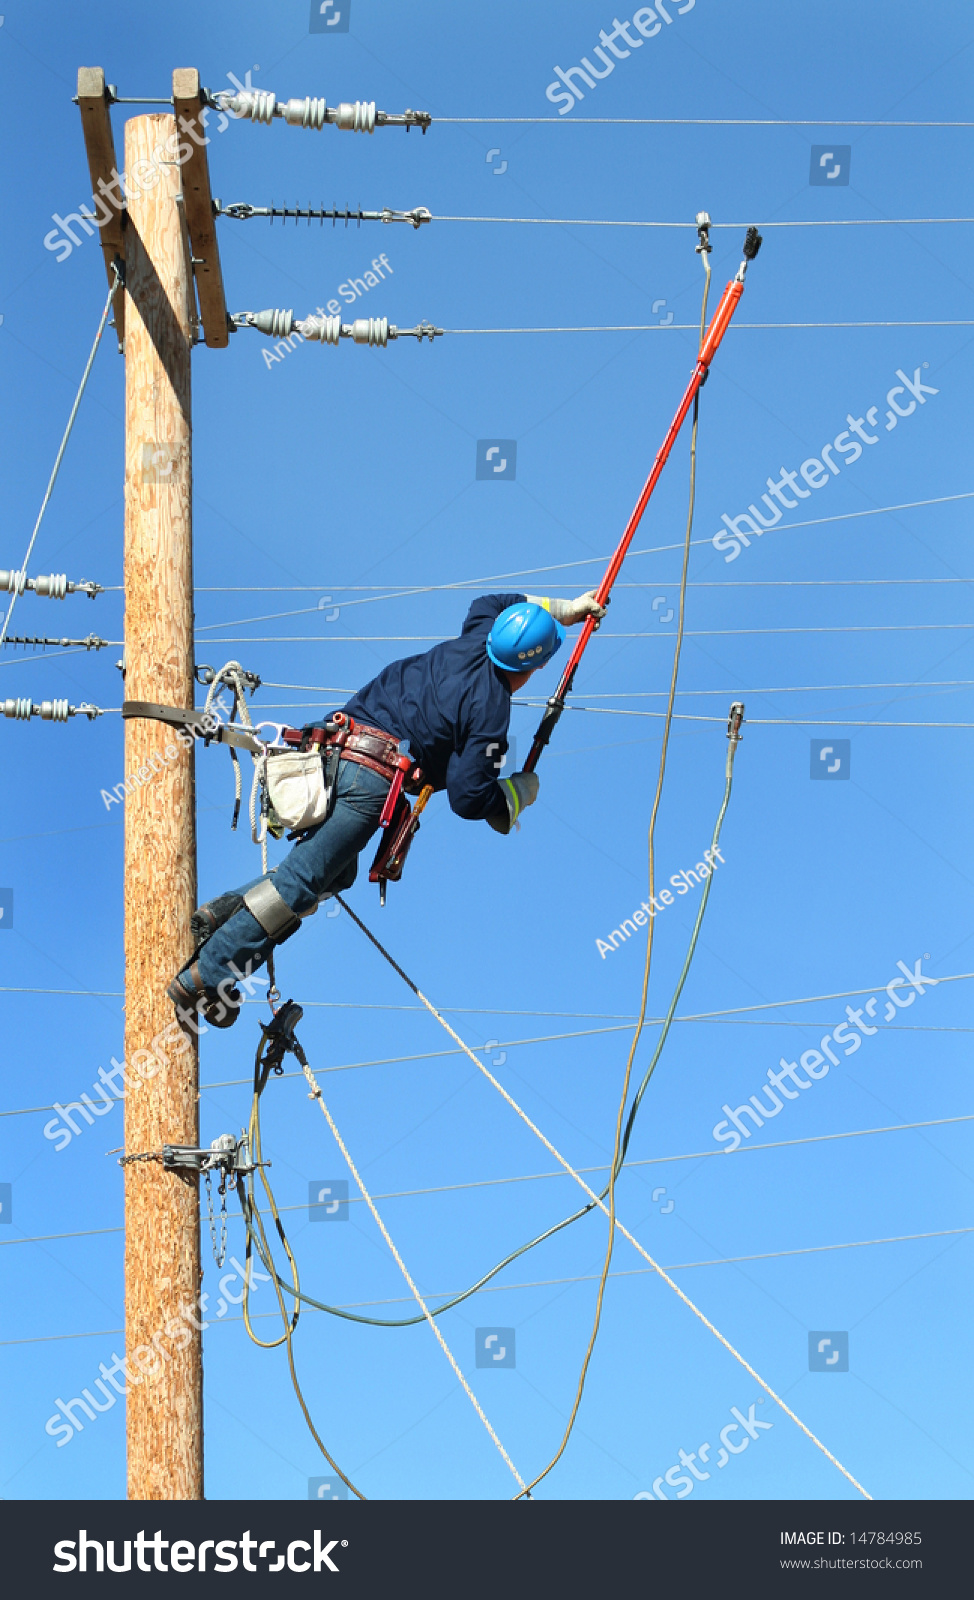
[523, 637]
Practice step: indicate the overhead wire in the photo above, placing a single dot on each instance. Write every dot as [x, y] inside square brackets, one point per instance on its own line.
[684, 327]
[579, 561]
[548, 1283]
[818, 222]
[561, 120]
[63, 446]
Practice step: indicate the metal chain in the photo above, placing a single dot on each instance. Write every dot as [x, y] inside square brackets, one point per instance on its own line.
[219, 1255]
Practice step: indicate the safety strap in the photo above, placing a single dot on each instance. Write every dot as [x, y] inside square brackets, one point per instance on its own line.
[193, 722]
[271, 910]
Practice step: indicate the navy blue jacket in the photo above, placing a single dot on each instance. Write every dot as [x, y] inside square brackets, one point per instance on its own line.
[454, 707]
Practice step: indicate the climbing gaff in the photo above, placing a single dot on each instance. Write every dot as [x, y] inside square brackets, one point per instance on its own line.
[719, 324]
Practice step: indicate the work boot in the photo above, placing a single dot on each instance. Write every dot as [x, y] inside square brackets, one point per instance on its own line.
[219, 1007]
[207, 918]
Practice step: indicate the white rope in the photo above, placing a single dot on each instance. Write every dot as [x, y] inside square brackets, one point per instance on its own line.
[316, 1094]
[60, 455]
[602, 1206]
[232, 676]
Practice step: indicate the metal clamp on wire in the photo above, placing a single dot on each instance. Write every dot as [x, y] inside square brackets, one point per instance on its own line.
[734, 721]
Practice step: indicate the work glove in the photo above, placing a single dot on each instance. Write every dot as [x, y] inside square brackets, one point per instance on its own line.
[519, 791]
[568, 612]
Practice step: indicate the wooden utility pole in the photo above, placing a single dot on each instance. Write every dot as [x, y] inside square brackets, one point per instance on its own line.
[162, 1243]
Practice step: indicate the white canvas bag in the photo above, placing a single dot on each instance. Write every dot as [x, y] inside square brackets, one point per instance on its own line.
[296, 787]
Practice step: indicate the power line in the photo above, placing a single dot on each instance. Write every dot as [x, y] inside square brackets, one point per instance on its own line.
[580, 561]
[700, 122]
[698, 633]
[700, 1016]
[759, 722]
[547, 1283]
[605, 222]
[731, 583]
[64, 445]
[687, 327]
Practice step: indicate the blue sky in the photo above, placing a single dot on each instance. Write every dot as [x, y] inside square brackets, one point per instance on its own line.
[348, 474]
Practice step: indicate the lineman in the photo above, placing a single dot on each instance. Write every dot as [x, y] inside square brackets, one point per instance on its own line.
[452, 706]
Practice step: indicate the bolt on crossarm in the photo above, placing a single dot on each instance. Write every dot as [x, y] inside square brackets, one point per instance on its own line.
[718, 327]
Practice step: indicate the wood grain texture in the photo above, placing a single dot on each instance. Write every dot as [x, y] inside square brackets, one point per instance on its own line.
[96, 123]
[162, 1246]
[199, 208]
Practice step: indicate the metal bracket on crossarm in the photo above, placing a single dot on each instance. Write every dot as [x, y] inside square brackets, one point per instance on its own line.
[226, 1154]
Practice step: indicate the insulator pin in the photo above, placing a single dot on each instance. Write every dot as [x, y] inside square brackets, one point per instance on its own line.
[307, 113]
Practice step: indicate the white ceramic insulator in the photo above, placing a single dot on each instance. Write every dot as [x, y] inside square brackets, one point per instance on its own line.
[56, 586]
[20, 710]
[276, 324]
[370, 330]
[54, 710]
[325, 329]
[257, 104]
[306, 113]
[12, 582]
[357, 116]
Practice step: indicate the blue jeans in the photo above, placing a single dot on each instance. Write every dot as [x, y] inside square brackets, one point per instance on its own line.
[323, 861]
